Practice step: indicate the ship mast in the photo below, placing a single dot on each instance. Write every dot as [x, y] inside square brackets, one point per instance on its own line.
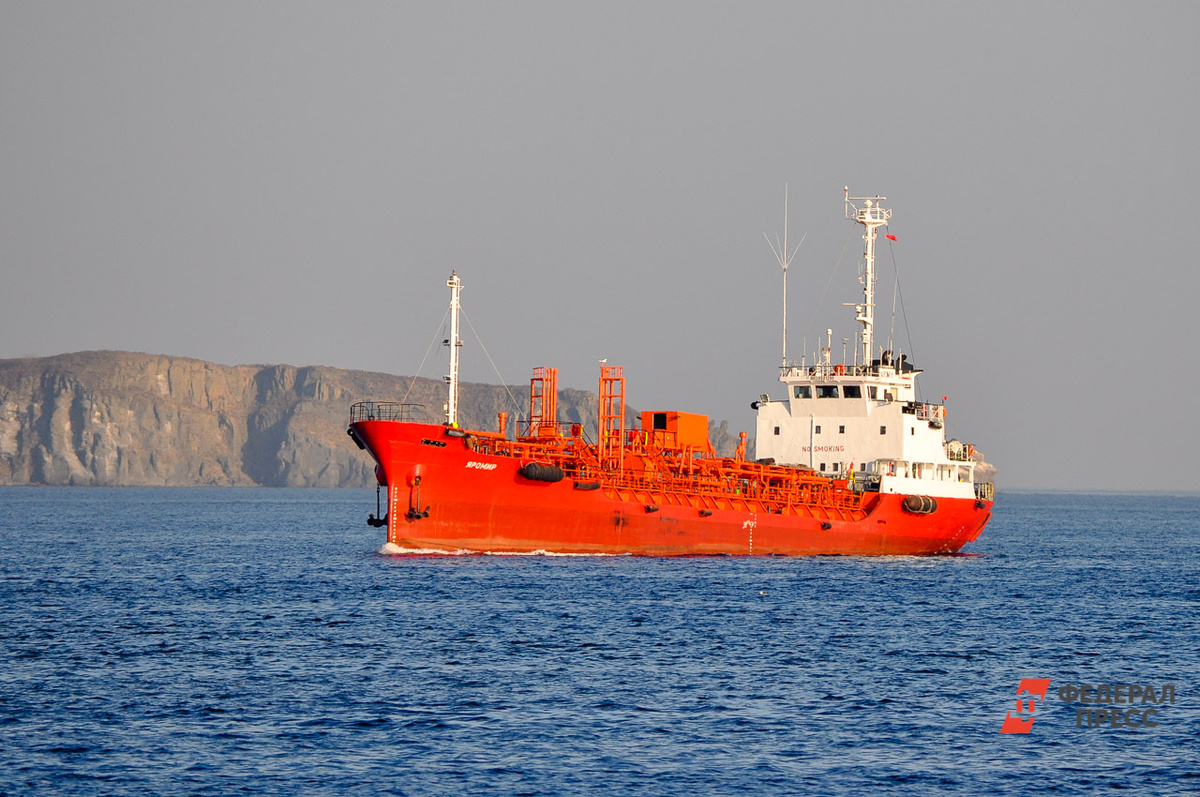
[455, 286]
[871, 217]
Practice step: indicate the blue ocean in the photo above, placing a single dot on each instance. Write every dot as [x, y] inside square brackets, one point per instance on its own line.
[225, 641]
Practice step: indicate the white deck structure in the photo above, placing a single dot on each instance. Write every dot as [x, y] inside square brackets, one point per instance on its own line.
[862, 421]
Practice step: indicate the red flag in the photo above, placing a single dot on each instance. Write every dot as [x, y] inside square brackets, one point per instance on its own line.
[890, 237]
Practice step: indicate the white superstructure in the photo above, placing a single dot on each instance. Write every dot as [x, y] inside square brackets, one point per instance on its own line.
[862, 420]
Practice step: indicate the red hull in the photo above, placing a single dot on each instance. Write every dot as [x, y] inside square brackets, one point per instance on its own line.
[444, 495]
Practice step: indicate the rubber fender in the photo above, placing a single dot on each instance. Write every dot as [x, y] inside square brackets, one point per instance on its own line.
[357, 442]
[536, 471]
[587, 485]
[919, 504]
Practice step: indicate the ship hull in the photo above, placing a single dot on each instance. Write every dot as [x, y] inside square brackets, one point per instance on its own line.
[444, 496]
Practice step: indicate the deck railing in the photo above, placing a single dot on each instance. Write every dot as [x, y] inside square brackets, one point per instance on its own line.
[829, 370]
[925, 412]
[387, 411]
[956, 454]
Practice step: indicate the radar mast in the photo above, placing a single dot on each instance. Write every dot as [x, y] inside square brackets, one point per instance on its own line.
[871, 216]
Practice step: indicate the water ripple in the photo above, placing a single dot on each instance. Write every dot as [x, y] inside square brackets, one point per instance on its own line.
[216, 642]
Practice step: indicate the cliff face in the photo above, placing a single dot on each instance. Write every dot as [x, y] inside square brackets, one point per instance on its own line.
[120, 418]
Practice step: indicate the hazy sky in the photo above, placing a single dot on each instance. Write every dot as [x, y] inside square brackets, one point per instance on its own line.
[292, 182]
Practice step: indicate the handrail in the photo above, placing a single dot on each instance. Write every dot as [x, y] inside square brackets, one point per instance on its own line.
[925, 412]
[533, 429]
[831, 370]
[964, 454]
[386, 411]
[652, 470]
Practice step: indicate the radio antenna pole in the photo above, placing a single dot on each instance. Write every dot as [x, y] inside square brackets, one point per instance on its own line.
[785, 260]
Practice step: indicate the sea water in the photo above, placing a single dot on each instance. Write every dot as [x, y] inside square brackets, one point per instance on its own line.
[162, 641]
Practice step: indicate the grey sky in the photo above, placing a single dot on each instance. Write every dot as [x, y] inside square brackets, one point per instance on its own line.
[292, 182]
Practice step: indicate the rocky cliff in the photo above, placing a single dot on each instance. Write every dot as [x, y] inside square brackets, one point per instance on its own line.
[121, 418]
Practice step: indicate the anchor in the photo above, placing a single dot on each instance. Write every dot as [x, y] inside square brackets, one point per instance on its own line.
[377, 518]
[414, 502]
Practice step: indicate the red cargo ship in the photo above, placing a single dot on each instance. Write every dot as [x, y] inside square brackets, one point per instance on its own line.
[849, 463]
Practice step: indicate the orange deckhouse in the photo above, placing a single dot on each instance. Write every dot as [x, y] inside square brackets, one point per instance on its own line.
[654, 489]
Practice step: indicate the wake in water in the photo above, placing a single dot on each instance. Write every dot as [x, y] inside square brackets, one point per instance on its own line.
[391, 549]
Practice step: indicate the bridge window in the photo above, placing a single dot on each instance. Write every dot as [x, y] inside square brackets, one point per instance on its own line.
[852, 391]
[776, 430]
[883, 430]
[801, 391]
[827, 391]
[818, 430]
[822, 466]
[841, 430]
[872, 392]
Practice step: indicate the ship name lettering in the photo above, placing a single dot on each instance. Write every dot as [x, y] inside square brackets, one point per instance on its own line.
[481, 465]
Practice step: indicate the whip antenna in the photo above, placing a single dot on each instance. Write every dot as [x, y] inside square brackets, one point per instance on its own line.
[785, 259]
